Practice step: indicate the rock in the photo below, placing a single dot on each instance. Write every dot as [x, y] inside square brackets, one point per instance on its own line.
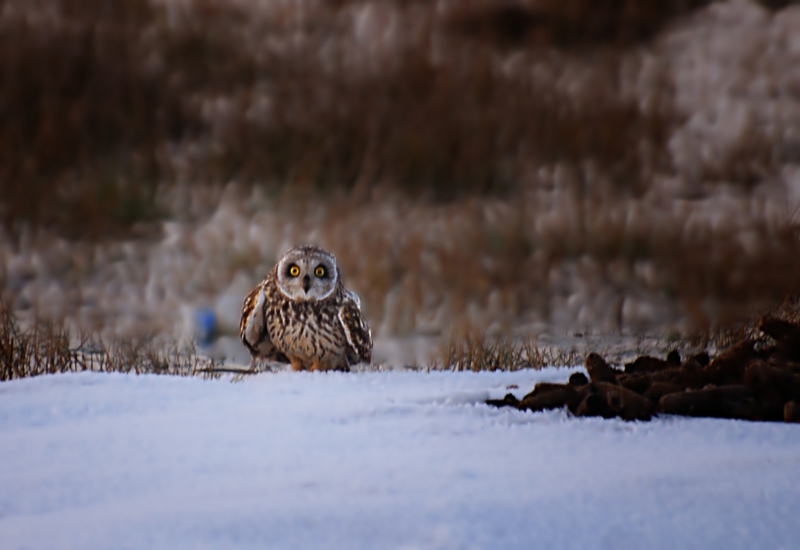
[578, 379]
[599, 370]
[741, 382]
[674, 358]
[594, 405]
[734, 401]
[786, 334]
[638, 383]
[550, 396]
[778, 329]
[645, 363]
[791, 411]
[659, 389]
[770, 406]
[728, 367]
[625, 403]
[685, 376]
[762, 377]
[508, 401]
[543, 387]
[697, 361]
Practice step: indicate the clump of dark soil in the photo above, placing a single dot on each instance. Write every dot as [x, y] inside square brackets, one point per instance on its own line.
[747, 382]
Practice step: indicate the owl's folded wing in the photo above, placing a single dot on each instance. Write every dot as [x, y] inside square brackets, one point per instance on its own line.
[359, 338]
[253, 328]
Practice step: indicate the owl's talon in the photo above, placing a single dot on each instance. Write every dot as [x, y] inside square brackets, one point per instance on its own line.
[296, 364]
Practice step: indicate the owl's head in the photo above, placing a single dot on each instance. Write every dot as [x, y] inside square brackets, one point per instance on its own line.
[307, 274]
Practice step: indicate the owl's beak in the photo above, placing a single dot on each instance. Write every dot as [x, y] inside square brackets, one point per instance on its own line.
[306, 283]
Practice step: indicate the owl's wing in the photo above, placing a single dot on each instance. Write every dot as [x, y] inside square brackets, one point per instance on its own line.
[359, 337]
[253, 328]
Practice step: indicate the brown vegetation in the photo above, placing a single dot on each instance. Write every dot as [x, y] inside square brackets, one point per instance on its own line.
[45, 347]
[104, 104]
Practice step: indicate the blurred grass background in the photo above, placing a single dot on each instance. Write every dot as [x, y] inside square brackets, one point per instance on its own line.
[467, 161]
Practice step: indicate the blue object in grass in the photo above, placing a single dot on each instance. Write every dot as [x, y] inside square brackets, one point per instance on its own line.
[205, 321]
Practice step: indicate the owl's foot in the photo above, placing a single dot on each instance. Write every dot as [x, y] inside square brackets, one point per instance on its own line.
[327, 367]
[296, 364]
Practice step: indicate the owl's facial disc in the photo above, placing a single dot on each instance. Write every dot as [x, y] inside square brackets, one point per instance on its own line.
[307, 274]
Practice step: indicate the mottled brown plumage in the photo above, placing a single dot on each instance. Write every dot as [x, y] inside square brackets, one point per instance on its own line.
[302, 314]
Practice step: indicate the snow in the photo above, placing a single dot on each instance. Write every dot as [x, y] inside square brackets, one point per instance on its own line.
[375, 460]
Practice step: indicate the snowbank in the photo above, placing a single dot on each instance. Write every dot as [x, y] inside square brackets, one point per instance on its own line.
[375, 460]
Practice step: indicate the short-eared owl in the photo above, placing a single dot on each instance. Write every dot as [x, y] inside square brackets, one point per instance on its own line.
[302, 314]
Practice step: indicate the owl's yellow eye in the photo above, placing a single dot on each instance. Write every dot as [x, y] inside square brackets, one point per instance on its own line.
[294, 271]
[320, 271]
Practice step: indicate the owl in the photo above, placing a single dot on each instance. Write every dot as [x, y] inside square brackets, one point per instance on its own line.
[302, 314]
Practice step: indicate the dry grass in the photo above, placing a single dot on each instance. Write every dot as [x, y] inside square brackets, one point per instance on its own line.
[112, 102]
[44, 347]
[476, 351]
[81, 117]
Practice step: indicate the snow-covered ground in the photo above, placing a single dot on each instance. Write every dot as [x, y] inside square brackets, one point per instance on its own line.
[374, 460]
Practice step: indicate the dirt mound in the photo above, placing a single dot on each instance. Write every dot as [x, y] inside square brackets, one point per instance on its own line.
[747, 382]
